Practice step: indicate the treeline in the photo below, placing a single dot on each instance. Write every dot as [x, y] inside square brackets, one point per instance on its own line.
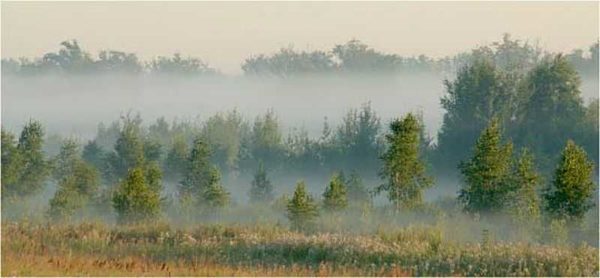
[352, 57]
[495, 180]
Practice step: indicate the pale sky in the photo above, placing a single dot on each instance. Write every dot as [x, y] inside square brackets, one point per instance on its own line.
[225, 33]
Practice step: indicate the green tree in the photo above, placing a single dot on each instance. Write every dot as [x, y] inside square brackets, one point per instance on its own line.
[176, 160]
[335, 197]
[302, 209]
[94, 154]
[523, 201]
[403, 169]
[479, 93]
[128, 150]
[266, 140]
[570, 194]
[261, 189]
[554, 109]
[78, 182]
[486, 173]
[12, 164]
[214, 195]
[357, 139]
[224, 134]
[135, 200]
[198, 170]
[35, 167]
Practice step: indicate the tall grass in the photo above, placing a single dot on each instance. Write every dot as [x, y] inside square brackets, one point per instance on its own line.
[214, 250]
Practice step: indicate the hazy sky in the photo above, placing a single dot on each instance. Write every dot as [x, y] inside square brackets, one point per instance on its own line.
[224, 33]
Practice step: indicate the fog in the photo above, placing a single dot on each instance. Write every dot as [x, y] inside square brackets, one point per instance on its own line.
[75, 105]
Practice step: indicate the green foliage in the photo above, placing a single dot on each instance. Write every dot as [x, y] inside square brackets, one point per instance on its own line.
[78, 182]
[12, 164]
[335, 197]
[486, 173]
[94, 154]
[135, 200]
[178, 65]
[554, 109]
[570, 194]
[356, 140]
[523, 202]
[176, 160]
[262, 189]
[302, 209]
[403, 170]
[266, 140]
[198, 170]
[479, 94]
[128, 149]
[224, 134]
[214, 195]
[26, 168]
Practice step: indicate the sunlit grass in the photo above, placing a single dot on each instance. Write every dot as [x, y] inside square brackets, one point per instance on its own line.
[160, 250]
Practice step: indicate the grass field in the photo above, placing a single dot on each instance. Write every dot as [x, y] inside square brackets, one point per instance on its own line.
[160, 250]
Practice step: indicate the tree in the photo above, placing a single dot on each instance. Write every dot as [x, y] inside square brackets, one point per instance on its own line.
[357, 139]
[36, 168]
[301, 209]
[554, 109]
[215, 196]
[266, 140]
[403, 169]
[135, 200]
[224, 134]
[178, 65]
[75, 190]
[523, 201]
[128, 150]
[479, 93]
[198, 170]
[94, 155]
[287, 63]
[335, 195]
[570, 194]
[262, 189]
[12, 164]
[486, 172]
[176, 160]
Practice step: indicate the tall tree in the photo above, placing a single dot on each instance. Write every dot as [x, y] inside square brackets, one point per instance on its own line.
[262, 189]
[12, 164]
[554, 109]
[479, 93]
[36, 168]
[570, 194]
[198, 170]
[302, 209]
[357, 139]
[175, 163]
[486, 172]
[266, 140]
[403, 170]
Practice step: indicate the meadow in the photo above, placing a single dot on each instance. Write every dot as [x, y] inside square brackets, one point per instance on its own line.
[215, 250]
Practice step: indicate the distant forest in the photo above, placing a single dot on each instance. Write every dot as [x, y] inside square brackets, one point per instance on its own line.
[352, 57]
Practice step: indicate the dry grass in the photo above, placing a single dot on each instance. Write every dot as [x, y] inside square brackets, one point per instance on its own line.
[158, 250]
